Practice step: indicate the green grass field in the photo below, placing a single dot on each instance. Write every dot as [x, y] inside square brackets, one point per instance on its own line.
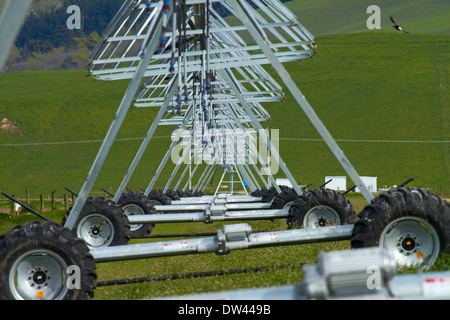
[384, 97]
[325, 17]
[295, 256]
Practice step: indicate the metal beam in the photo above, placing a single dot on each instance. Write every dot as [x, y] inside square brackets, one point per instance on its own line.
[225, 74]
[148, 137]
[239, 6]
[12, 16]
[116, 124]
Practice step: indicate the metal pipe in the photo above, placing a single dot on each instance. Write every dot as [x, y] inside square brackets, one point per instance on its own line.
[154, 249]
[203, 216]
[349, 274]
[232, 237]
[223, 207]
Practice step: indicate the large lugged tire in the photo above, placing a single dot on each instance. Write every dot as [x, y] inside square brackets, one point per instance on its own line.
[102, 223]
[159, 198]
[199, 193]
[135, 203]
[268, 194]
[172, 194]
[411, 224]
[320, 208]
[35, 260]
[259, 192]
[284, 199]
[186, 193]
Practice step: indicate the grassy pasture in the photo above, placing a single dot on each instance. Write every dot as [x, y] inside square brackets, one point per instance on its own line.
[325, 17]
[384, 97]
[294, 255]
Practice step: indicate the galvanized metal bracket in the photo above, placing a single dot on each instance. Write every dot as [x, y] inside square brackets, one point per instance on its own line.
[233, 237]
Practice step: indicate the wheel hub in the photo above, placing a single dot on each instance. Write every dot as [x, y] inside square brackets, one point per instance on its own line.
[38, 274]
[412, 241]
[321, 222]
[320, 217]
[39, 277]
[96, 231]
[407, 244]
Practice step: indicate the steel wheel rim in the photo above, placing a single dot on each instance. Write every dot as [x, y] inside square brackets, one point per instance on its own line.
[288, 205]
[411, 241]
[155, 202]
[133, 209]
[321, 216]
[96, 231]
[38, 274]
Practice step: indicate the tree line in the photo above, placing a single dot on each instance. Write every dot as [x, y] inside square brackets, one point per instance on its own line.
[46, 43]
[45, 30]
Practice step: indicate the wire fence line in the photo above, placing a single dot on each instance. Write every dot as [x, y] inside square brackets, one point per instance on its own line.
[369, 141]
[165, 137]
[27, 144]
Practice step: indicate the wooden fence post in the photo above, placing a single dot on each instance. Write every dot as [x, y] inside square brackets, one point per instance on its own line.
[42, 202]
[13, 207]
[65, 202]
[27, 195]
[53, 200]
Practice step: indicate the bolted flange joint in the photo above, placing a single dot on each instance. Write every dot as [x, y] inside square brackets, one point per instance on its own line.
[233, 237]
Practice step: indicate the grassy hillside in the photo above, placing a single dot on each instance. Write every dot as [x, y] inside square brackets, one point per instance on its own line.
[323, 17]
[371, 90]
[373, 87]
[64, 107]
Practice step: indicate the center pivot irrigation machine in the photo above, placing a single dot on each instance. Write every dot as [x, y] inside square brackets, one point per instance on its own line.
[192, 60]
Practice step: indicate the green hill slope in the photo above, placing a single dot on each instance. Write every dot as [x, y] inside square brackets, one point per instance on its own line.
[323, 17]
[383, 96]
[374, 92]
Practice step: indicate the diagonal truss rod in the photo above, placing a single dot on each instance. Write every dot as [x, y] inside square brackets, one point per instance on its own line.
[239, 6]
[11, 18]
[252, 25]
[257, 125]
[116, 123]
[146, 141]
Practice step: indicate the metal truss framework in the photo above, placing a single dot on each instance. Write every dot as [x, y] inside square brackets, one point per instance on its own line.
[147, 40]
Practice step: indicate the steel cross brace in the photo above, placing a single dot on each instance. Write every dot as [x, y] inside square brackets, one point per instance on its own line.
[146, 141]
[257, 125]
[168, 153]
[240, 8]
[116, 123]
[12, 16]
